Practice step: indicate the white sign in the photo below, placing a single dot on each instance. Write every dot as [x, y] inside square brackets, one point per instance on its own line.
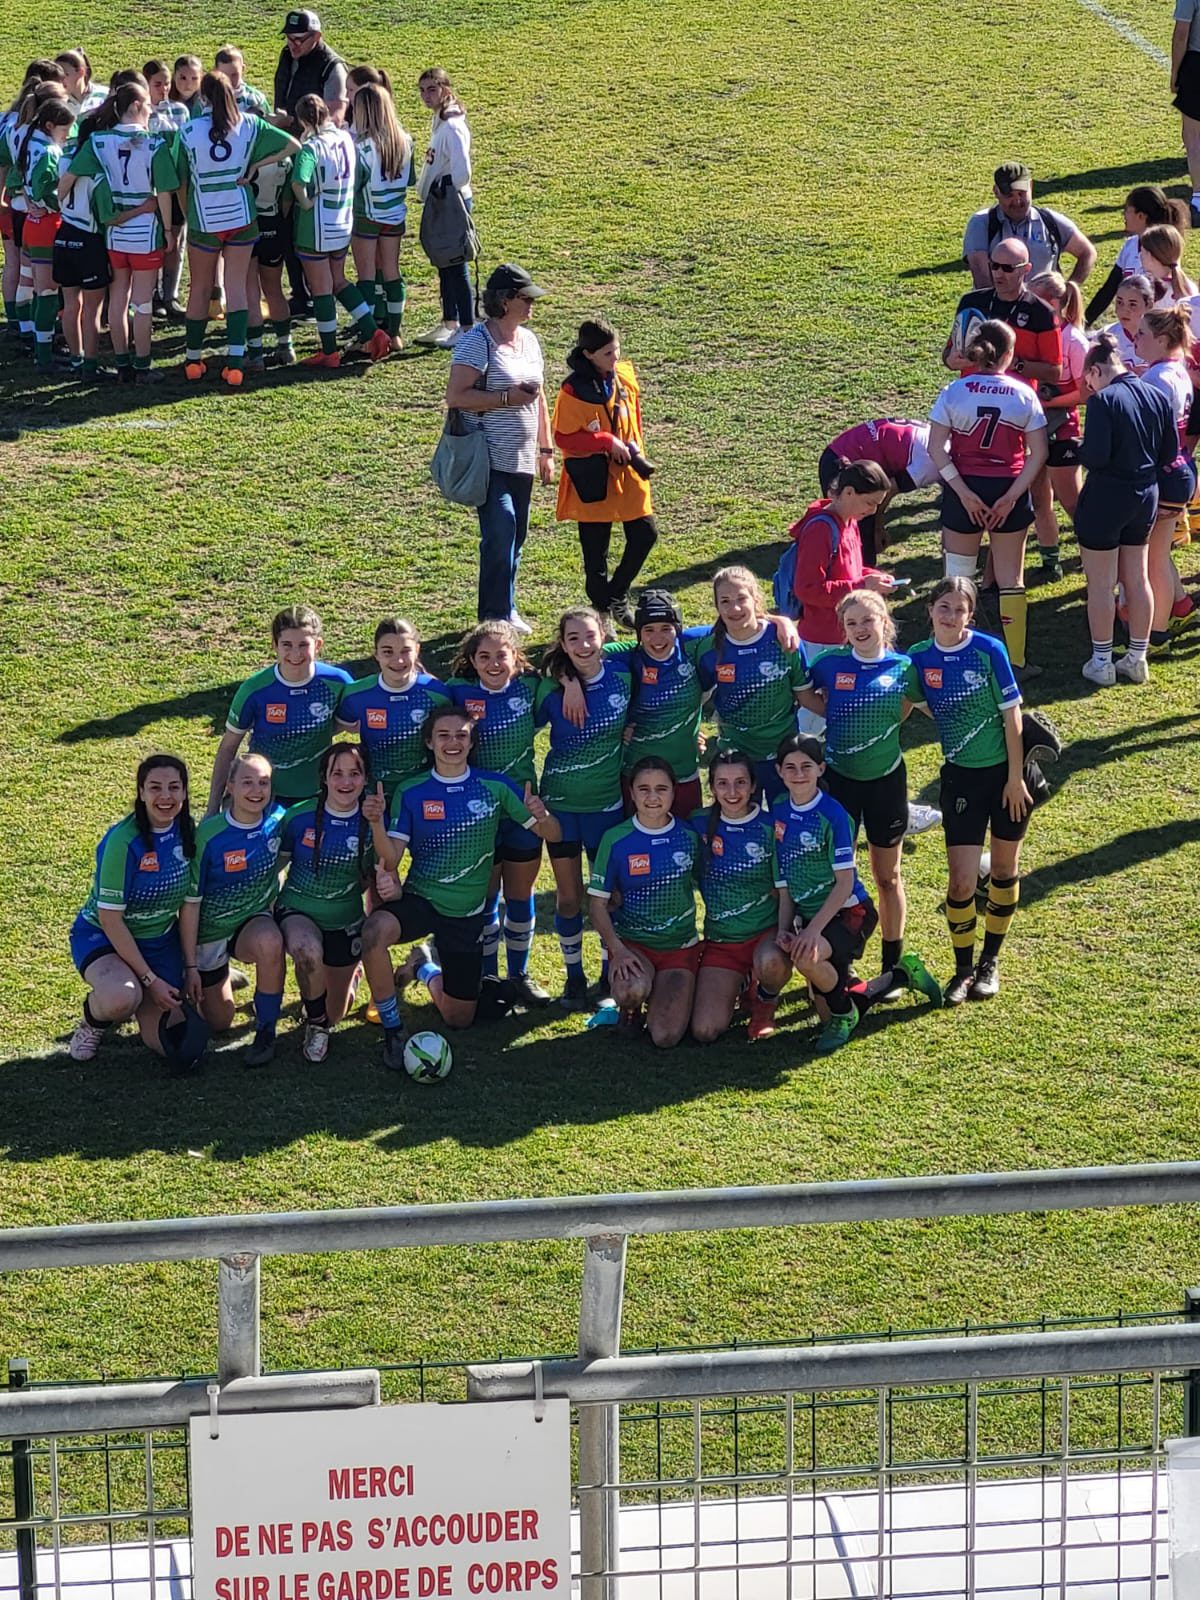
[420, 1502]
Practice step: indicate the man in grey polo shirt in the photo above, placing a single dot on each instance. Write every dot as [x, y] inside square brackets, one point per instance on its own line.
[1046, 234]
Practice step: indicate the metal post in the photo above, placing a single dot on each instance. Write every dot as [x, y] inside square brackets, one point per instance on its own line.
[599, 1426]
[1191, 1310]
[238, 1354]
[22, 1471]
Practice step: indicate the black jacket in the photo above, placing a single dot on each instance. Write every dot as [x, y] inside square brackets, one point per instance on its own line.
[295, 79]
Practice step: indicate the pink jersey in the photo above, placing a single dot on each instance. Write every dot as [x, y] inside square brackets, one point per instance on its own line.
[988, 415]
[887, 441]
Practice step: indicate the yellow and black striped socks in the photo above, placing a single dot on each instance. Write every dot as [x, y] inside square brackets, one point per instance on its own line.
[960, 916]
[1003, 895]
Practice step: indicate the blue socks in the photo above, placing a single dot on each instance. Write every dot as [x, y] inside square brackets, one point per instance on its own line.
[267, 1008]
[489, 939]
[518, 934]
[389, 1012]
[570, 940]
[427, 972]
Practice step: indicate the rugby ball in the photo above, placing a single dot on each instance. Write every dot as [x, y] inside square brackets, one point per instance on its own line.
[966, 323]
[427, 1057]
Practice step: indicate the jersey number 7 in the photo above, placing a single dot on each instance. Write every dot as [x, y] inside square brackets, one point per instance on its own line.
[992, 413]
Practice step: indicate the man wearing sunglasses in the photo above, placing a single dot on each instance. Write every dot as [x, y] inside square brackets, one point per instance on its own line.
[307, 65]
[1046, 234]
[1038, 355]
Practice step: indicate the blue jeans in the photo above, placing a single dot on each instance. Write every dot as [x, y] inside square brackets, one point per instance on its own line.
[455, 284]
[503, 525]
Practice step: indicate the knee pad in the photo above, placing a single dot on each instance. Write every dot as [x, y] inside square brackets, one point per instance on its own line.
[960, 566]
[140, 309]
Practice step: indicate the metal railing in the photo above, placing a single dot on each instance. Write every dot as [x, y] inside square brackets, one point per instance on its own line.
[600, 1380]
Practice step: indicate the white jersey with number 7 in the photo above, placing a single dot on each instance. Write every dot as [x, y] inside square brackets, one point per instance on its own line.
[988, 415]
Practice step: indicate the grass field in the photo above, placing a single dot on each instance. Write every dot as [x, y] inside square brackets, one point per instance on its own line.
[767, 198]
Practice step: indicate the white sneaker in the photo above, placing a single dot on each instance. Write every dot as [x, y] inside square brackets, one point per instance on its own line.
[85, 1041]
[438, 335]
[921, 819]
[517, 621]
[1134, 669]
[316, 1042]
[1099, 672]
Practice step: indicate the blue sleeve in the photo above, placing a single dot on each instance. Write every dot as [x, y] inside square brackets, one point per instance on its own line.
[706, 666]
[697, 632]
[1006, 684]
[402, 826]
[842, 836]
[348, 709]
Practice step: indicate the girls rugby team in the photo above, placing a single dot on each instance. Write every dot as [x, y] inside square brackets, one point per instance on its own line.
[104, 190]
[423, 826]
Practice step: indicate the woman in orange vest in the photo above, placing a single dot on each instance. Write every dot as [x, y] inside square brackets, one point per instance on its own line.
[598, 428]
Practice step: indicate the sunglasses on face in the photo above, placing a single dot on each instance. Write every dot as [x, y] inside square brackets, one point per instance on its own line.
[1006, 266]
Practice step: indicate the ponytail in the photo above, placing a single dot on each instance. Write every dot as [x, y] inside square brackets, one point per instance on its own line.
[861, 477]
[217, 93]
[991, 342]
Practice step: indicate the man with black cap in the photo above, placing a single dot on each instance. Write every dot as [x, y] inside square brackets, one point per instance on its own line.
[307, 65]
[1046, 234]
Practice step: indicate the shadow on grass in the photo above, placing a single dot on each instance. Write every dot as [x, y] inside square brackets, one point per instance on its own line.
[1115, 855]
[506, 1084]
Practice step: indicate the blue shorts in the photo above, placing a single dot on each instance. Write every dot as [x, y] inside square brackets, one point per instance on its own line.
[164, 954]
[1111, 514]
[583, 830]
[1177, 484]
[515, 843]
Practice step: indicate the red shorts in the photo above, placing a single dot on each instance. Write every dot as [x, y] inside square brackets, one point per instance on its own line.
[685, 960]
[732, 957]
[688, 797]
[39, 234]
[128, 261]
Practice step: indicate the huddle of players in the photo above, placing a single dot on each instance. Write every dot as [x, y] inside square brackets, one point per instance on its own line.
[300, 830]
[92, 185]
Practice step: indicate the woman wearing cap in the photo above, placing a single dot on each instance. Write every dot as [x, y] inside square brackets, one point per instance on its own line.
[497, 373]
[605, 479]
[448, 159]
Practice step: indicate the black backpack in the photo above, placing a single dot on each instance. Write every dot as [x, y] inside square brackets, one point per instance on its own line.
[1053, 232]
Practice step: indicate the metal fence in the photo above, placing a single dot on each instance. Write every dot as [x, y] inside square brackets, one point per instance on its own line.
[956, 1462]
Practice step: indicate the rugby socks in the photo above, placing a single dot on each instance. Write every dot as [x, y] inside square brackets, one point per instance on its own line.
[763, 997]
[45, 314]
[395, 294]
[1050, 554]
[570, 941]
[141, 363]
[960, 917]
[518, 933]
[1137, 649]
[236, 323]
[379, 300]
[1014, 612]
[254, 341]
[121, 360]
[1102, 651]
[1003, 894]
[353, 299]
[193, 339]
[24, 304]
[91, 366]
[325, 312]
[10, 313]
[838, 999]
[489, 939]
[283, 332]
[267, 1007]
[891, 954]
[315, 1011]
[389, 1013]
[430, 973]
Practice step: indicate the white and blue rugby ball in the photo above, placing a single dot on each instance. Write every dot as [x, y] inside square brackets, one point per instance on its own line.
[427, 1057]
[966, 324]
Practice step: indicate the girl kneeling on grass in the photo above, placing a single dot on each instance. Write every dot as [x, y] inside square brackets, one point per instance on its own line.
[448, 820]
[825, 914]
[231, 892]
[963, 680]
[642, 902]
[737, 884]
[125, 941]
[322, 226]
[331, 848]
[493, 682]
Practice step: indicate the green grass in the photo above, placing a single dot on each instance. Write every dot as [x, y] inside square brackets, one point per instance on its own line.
[768, 201]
